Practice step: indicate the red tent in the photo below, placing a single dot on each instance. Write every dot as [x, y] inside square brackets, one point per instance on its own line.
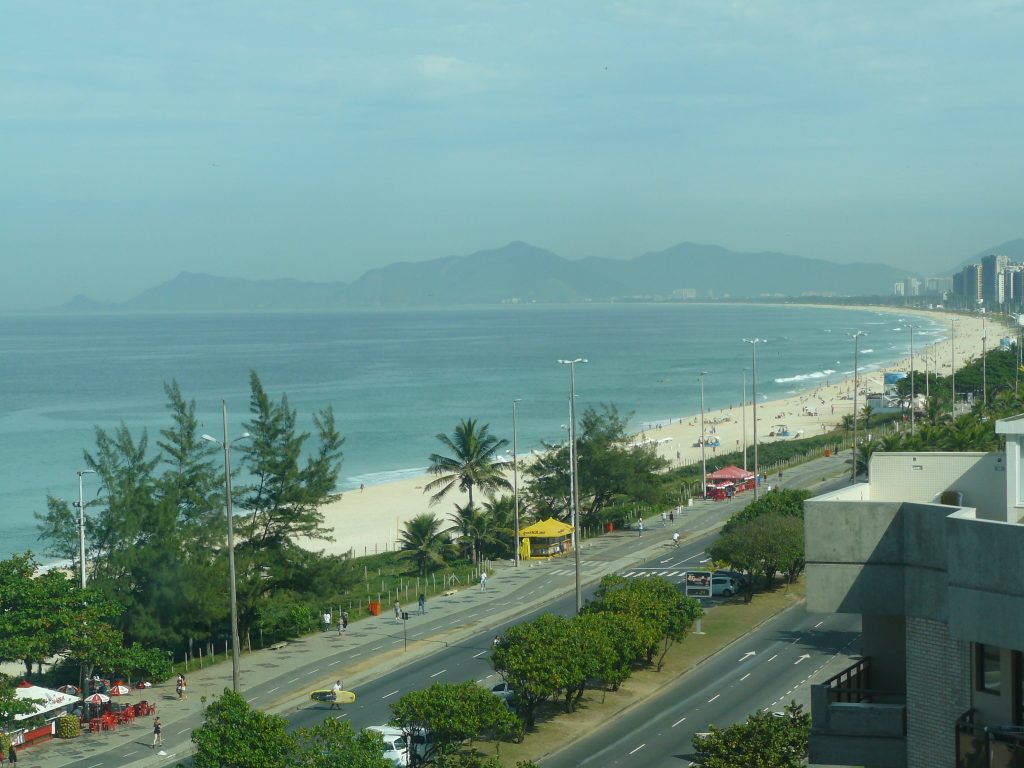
[730, 474]
[727, 481]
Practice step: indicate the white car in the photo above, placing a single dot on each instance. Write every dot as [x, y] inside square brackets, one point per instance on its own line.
[396, 748]
[503, 691]
[724, 586]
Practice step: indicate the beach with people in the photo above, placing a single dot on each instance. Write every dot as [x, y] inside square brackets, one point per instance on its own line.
[370, 520]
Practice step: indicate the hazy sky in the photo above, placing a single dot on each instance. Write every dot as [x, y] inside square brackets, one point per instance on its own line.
[316, 140]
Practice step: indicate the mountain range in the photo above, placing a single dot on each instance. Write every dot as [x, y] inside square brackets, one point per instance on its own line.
[520, 272]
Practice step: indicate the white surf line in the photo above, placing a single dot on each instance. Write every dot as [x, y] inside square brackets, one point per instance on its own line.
[439, 673]
[638, 748]
[677, 722]
[744, 677]
[714, 697]
[478, 655]
[389, 695]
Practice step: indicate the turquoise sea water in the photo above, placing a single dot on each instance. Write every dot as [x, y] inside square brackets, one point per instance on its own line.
[396, 377]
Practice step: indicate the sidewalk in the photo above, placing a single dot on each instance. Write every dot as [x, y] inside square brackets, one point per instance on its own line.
[280, 680]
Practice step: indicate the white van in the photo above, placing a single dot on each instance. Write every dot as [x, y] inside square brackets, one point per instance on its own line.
[724, 586]
[396, 749]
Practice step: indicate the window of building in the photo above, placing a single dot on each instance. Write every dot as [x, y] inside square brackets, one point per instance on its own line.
[988, 672]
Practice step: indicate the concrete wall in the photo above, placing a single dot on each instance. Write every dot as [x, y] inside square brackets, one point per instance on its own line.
[994, 708]
[981, 477]
[884, 641]
[985, 590]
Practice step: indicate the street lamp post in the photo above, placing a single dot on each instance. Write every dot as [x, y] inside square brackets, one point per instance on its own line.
[81, 521]
[226, 444]
[952, 364]
[856, 341]
[703, 440]
[912, 327]
[984, 362]
[515, 474]
[743, 412]
[574, 476]
[753, 395]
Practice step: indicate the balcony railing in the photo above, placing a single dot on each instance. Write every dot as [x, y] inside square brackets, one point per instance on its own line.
[854, 724]
[988, 746]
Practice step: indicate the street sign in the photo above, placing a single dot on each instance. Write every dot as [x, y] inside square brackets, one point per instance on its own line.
[698, 583]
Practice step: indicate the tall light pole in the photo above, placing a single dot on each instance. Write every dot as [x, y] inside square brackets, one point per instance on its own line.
[753, 394]
[574, 477]
[703, 439]
[231, 539]
[912, 327]
[81, 520]
[743, 411]
[952, 363]
[515, 473]
[856, 341]
[984, 362]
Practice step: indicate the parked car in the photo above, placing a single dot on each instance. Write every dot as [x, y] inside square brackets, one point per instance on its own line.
[503, 691]
[396, 748]
[724, 586]
[740, 578]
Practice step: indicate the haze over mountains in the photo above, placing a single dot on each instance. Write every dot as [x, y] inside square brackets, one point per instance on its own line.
[520, 272]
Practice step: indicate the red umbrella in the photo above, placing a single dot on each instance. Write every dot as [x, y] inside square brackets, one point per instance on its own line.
[69, 688]
[97, 698]
[24, 684]
[119, 689]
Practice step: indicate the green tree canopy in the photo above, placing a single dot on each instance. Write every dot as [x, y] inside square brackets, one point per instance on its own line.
[765, 740]
[234, 735]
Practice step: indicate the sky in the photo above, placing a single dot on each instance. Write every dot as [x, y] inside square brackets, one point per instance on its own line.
[317, 140]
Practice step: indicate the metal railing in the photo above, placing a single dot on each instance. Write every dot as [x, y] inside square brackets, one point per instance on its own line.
[984, 746]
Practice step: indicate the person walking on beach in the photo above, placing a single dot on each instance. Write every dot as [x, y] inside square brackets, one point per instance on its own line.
[398, 611]
[422, 603]
[158, 737]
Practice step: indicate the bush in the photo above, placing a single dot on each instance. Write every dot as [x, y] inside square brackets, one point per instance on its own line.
[5, 744]
[68, 727]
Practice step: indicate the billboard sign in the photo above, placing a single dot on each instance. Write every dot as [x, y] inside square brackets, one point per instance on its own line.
[698, 583]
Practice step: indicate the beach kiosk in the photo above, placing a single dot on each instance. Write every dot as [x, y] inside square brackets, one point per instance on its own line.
[728, 481]
[545, 538]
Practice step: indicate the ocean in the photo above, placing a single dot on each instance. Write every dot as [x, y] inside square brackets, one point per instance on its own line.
[396, 378]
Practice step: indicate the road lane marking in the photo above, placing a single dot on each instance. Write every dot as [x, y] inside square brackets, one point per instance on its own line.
[745, 677]
[439, 673]
[338, 717]
[377, 648]
[274, 689]
[314, 671]
[388, 695]
[478, 655]
[714, 697]
[418, 634]
[773, 657]
[677, 722]
[638, 748]
[293, 680]
[818, 624]
[250, 701]
[333, 663]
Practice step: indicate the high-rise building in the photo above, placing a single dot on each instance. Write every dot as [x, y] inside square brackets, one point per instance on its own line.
[967, 284]
[938, 285]
[898, 289]
[992, 267]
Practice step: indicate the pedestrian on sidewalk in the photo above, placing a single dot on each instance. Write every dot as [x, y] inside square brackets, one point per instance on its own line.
[344, 621]
[422, 603]
[341, 624]
[327, 621]
[672, 515]
[12, 755]
[675, 539]
[158, 737]
[398, 611]
[179, 684]
[483, 580]
[664, 519]
[640, 526]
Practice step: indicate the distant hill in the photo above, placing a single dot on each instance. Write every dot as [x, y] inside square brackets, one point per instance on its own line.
[1012, 248]
[520, 272]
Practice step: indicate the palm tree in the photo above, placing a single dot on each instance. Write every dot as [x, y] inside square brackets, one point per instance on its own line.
[476, 530]
[472, 462]
[424, 540]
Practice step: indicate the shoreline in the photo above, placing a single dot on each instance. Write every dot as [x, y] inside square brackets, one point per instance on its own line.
[368, 520]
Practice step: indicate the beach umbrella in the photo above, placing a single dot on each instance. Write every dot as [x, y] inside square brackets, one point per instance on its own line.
[119, 689]
[97, 698]
[68, 688]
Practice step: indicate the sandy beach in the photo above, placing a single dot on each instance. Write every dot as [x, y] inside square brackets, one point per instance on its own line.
[368, 521]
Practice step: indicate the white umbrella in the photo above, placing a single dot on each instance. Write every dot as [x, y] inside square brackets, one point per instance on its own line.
[97, 698]
[120, 689]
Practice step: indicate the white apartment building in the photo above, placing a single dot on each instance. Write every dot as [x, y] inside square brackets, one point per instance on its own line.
[929, 552]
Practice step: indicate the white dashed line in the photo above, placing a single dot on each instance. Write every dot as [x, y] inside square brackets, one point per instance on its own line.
[478, 655]
[773, 657]
[818, 624]
[744, 677]
[638, 748]
[439, 673]
[274, 689]
[389, 695]
[376, 647]
[714, 697]
[293, 680]
[677, 722]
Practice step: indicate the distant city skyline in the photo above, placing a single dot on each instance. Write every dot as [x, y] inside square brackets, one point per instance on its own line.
[318, 140]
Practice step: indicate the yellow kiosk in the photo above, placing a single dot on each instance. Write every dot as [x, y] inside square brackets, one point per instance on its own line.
[544, 539]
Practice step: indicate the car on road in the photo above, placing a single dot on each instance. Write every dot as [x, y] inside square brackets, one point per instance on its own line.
[737, 576]
[396, 748]
[503, 691]
[724, 586]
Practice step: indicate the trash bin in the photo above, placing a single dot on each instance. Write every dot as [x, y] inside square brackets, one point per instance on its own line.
[609, 527]
[374, 608]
